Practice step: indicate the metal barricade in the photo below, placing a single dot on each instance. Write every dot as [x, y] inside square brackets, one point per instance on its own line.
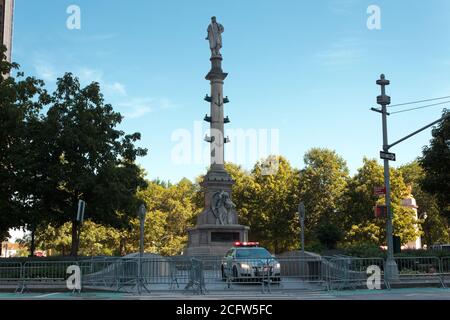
[201, 274]
[352, 273]
[196, 277]
[10, 273]
[100, 272]
[301, 273]
[51, 274]
[418, 270]
[445, 270]
[173, 274]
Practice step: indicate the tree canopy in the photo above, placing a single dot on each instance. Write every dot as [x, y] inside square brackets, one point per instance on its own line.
[435, 161]
[48, 161]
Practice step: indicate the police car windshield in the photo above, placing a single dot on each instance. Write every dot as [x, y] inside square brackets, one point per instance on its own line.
[253, 253]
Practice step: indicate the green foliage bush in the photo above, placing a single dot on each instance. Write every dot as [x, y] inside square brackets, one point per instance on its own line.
[423, 253]
[363, 250]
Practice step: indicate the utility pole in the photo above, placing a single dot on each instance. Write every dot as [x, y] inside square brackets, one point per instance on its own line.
[391, 271]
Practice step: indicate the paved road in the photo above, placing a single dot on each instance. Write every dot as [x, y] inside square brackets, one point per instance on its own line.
[394, 294]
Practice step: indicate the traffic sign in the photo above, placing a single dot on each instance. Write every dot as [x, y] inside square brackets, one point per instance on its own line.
[387, 155]
[380, 211]
[379, 191]
[80, 212]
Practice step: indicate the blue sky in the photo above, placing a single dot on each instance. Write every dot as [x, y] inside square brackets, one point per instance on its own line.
[306, 68]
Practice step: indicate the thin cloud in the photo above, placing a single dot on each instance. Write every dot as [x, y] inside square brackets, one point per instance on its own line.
[343, 52]
[100, 37]
[88, 75]
[115, 88]
[115, 91]
[110, 89]
[46, 71]
[343, 7]
[91, 38]
[138, 107]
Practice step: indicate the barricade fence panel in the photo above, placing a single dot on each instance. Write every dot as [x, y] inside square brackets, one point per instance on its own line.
[424, 270]
[10, 272]
[286, 273]
[445, 266]
[205, 274]
[353, 273]
[410, 266]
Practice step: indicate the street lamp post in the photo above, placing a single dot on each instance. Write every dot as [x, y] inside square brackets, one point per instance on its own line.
[391, 266]
[142, 212]
[384, 100]
[301, 213]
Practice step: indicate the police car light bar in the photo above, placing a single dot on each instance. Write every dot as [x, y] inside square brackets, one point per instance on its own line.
[246, 244]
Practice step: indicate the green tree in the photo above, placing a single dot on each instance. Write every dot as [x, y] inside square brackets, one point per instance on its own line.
[21, 100]
[360, 220]
[329, 234]
[244, 197]
[277, 202]
[89, 158]
[267, 202]
[435, 161]
[94, 239]
[435, 226]
[323, 182]
[171, 211]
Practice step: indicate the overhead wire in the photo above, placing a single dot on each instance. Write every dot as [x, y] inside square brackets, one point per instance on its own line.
[421, 107]
[418, 101]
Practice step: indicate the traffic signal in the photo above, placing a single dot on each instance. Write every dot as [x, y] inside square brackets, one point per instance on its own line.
[380, 211]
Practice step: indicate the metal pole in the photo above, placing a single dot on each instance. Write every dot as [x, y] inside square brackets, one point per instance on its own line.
[444, 117]
[142, 212]
[141, 242]
[141, 252]
[391, 267]
[302, 221]
[301, 212]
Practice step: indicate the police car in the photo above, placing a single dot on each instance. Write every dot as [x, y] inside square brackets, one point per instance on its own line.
[246, 260]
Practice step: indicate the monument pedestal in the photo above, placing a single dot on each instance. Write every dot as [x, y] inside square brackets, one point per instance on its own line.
[214, 240]
[210, 237]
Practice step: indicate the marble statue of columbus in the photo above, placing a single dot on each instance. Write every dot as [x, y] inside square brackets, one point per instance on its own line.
[215, 30]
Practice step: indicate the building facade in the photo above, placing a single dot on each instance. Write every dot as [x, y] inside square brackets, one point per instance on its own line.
[6, 25]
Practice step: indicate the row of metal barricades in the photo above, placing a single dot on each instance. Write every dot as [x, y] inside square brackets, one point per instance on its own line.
[207, 274]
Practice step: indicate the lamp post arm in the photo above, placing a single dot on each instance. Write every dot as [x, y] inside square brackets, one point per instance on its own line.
[420, 130]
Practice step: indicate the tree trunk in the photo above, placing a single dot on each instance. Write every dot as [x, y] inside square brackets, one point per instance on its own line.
[74, 249]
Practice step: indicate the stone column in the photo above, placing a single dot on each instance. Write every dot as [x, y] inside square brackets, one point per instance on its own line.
[217, 139]
[215, 232]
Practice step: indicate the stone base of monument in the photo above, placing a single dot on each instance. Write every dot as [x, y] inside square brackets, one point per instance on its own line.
[214, 240]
